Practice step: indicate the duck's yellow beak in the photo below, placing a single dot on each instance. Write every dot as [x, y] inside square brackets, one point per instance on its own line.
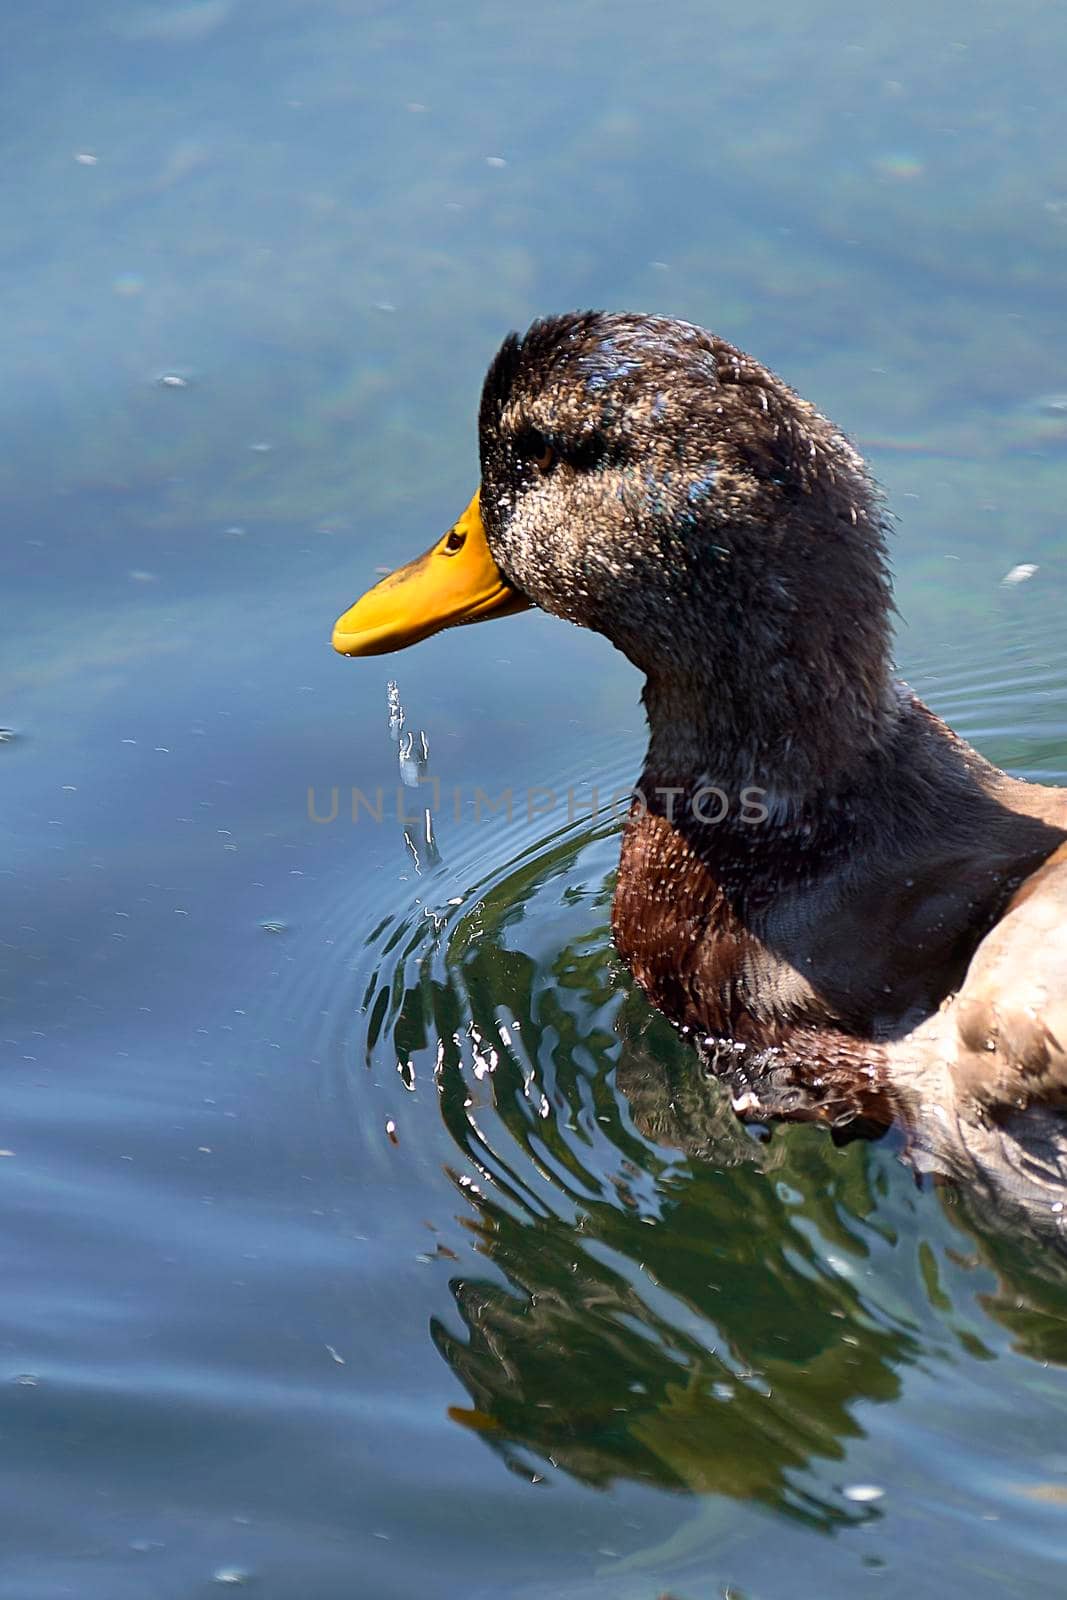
[455, 581]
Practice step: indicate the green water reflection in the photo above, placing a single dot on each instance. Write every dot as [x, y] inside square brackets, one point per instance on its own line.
[675, 1302]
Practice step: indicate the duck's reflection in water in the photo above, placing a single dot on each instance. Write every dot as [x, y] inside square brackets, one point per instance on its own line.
[670, 1297]
[725, 1344]
[708, 1349]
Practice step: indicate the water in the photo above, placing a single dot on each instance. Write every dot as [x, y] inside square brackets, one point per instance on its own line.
[365, 1232]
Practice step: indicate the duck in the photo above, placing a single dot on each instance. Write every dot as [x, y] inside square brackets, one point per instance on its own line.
[851, 912]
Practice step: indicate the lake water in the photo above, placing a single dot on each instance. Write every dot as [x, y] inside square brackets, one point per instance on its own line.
[364, 1232]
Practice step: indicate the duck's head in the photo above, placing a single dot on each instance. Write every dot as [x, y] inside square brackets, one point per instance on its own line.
[643, 478]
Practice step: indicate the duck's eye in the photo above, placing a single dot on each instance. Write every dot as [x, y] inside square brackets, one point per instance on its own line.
[454, 540]
[538, 451]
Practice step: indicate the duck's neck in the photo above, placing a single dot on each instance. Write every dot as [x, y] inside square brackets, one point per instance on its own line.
[847, 908]
[766, 817]
[797, 744]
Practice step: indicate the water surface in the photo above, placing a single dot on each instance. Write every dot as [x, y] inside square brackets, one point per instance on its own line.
[365, 1231]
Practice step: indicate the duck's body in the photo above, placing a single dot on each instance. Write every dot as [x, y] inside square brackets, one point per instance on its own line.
[802, 950]
[817, 877]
